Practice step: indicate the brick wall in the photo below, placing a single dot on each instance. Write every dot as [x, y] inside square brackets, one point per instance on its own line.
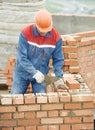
[86, 58]
[67, 110]
[81, 56]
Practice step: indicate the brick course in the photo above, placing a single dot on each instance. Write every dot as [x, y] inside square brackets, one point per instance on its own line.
[48, 115]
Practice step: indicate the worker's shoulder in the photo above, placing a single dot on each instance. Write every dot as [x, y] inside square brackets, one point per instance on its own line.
[27, 29]
[55, 33]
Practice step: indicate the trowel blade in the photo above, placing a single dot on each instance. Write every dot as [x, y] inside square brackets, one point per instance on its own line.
[50, 79]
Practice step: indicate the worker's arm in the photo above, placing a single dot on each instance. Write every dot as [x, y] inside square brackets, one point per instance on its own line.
[22, 56]
[58, 59]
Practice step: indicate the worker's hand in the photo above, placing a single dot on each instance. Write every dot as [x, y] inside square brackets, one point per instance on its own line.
[39, 77]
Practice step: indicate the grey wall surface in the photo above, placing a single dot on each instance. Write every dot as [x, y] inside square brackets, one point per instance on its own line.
[68, 24]
[14, 15]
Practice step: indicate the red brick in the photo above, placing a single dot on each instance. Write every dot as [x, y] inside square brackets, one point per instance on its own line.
[73, 106]
[18, 99]
[64, 113]
[70, 40]
[29, 98]
[9, 80]
[72, 83]
[88, 105]
[50, 88]
[7, 109]
[82, 97]
[7, 123]
[53, 127]
[65, 68]
[52, 107]
[42, 128]
[74, 69]
[64, 97]
[85, 43]
[83, 112]
[72, 62]
[7, 129]
[28, 108]
[41, 99]
[61, 89]
[31, 128]
[87, 34]
[52, 113]
[6, 71]
[53, 97]
[88, 119]
[86, 126]
[18, 115]
[72, 120]
[65, 127]
[52, 120]
[64, 43]
[69, 49]
[12, 69]
[77, 38]
[28, 122]
[73, 55]
[19, 128]
[66, 55]
[41, 114]
[6, 116]
[6, 99]
[30, 115]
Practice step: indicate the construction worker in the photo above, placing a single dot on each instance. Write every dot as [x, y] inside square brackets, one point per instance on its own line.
[38, 42]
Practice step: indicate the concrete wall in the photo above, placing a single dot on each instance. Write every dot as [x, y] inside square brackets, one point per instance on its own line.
[14, 15]
[68, 24]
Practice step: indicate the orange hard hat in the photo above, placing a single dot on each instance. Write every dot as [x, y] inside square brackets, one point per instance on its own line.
[43, 21]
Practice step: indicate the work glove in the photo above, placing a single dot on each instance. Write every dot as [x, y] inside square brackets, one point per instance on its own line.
[39, 77]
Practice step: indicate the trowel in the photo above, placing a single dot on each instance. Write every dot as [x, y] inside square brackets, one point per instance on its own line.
[50, 79]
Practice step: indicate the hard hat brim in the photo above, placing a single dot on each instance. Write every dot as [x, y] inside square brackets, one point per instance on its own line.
[44, 30]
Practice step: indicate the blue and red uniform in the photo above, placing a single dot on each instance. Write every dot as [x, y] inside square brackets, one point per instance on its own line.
[34, 53]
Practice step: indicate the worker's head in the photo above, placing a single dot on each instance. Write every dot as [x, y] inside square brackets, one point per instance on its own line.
[43, 21]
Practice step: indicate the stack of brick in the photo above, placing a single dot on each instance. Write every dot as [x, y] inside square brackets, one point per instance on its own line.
[70, 51]
[67, 110]
[86, 58]
[8, 72]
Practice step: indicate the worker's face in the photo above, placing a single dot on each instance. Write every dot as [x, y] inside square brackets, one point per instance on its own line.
[42, 33]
